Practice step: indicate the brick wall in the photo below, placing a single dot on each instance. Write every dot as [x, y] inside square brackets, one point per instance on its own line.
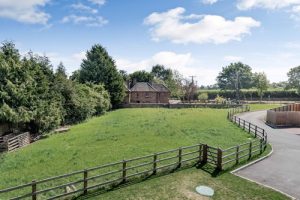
[144, 97]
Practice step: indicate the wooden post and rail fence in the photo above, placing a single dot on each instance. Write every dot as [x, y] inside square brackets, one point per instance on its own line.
[11, 143]
[113, 174]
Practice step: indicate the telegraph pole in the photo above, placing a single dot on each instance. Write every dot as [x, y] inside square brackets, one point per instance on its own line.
[237, 89]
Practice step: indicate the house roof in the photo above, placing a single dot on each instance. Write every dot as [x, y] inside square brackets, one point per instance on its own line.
[160, 87]
[149, 87]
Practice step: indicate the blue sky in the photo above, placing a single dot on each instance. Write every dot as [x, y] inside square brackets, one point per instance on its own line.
[195, 37]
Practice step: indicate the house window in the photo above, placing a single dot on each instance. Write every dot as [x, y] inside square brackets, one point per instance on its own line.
[147, 95]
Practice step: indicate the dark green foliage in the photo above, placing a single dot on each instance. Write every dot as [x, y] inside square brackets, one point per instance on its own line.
[80, 101]
[236, 75]
[34, 98]
[141, 76]
[160, 72]
[294, 78]
[100, 68]
[253, 94]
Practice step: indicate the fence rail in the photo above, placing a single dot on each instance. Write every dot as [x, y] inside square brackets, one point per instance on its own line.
[110, 175]
[290, 107]
[18, 141]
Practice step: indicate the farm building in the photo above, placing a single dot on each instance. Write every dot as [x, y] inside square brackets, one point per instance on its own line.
[144, 92]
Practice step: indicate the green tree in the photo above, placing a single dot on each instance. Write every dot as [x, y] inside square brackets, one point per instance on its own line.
[236, 76]
[16, 87]
[160, 72]
[100, 68]
[75, 76]
[141, 76]
[261, 83]
[124, 75]
[61, 70]
[294, 78]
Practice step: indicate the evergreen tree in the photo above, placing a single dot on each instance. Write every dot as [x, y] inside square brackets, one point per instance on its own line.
[100, 68]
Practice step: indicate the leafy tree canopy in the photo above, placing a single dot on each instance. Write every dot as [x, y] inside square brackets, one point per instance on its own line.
[100, 68]
[294, 78]
[141, 76]
[235, 76]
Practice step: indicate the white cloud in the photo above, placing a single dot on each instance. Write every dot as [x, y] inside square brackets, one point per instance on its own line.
[268, 4]
[290, 6]
[209, 1]
[92, 21]
[24, 11]
[185, 63]
[98, 2]
[233, 58]
[167, 58]
[84, 8]
[175, 26]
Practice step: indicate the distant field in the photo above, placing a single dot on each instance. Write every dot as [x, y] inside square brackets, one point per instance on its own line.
[119, 135]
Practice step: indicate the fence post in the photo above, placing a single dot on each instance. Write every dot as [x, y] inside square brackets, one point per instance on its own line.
[250, 149]
[124, 171]
[33, 190]
[204, 155]
[200, 153]
[85, 181]
[179, 157]
[239, 122]
[237, 154]
[249, 127]
[219, 159]
[154, 163]
[261, 146]
[255, 134]
[244, 125]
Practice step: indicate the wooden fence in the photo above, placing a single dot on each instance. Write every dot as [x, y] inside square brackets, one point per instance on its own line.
[285, 116]
[110, 175]
[18, 141]
[3, 146]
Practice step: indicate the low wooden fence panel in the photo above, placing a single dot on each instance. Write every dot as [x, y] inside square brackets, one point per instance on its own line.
[18, 141]
[110, 175]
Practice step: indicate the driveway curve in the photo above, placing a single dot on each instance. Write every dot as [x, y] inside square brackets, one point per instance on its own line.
[281, 170]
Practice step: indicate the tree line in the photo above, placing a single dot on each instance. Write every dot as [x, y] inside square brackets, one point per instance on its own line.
[239, 76]
[36, 98]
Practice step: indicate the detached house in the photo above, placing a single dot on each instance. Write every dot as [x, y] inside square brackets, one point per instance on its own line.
[144, 92]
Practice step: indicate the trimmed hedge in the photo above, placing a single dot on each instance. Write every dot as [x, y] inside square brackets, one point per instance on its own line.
[252, 94]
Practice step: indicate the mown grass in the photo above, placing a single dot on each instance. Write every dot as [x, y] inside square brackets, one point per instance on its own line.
[181, 186]
[118, 135]
[256, 107]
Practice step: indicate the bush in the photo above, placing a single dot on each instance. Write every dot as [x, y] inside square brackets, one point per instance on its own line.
[203, 97]
[220, 100]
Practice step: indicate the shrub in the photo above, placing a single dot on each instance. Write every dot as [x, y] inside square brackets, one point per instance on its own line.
[203, 97]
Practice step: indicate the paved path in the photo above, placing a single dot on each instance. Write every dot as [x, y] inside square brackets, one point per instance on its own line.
[282, 169]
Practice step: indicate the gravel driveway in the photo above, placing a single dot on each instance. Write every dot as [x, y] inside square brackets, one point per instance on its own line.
[282, 169]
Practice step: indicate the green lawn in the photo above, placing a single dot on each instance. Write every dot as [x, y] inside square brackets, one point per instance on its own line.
[123, 134]
[181, 186]
[256, 107]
